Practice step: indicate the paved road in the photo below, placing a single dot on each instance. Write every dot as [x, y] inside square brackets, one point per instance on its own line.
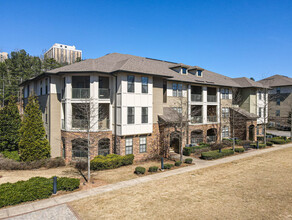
[61, 212]
[56, 208]
[279, 133]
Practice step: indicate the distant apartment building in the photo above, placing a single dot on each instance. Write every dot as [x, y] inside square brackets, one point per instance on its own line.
[135, 103]
[280, 100]
[63, 53]
[3, 56]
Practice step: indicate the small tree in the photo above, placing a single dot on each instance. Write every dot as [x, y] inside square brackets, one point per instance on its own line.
[33, 143]
[9, 126]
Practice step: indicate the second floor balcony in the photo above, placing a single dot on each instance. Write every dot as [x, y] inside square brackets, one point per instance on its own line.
[80, 93]
[211, 94]
[196, 97]
[80, 87]
[212, 118]
[196, 119]
[104, 93]
[211, 98]
[196, 94]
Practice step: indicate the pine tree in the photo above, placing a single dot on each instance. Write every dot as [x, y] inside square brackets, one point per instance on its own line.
[9, 126]
[33, 144]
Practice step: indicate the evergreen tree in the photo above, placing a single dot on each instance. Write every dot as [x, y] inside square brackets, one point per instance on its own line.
[50, 63]
[33, 144]
[9, 126]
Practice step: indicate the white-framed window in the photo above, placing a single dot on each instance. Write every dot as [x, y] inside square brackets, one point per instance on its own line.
[184, 70]
[225, 131]
[131, 83]
[260, 95]
[178, 109]
[260, 112]
[278, 101]
[143, 144]
[131, 115]
[199, 73]
[129, 145]
[176, 89]
[225, 93]
[225, 112]
[144, 115]
[144, 84]
[278, 90]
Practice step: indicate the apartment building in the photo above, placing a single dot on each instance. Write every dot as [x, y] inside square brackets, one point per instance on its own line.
[3, 56]
[280, 99]
[136, 105]
[63, 53]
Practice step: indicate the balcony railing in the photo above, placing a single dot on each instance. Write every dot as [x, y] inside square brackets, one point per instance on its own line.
[196, 119]
[211, 118]
[79, 124]
[80, 93]
[196, 97]
[211, 98]
[104, 124]
[63, 123]
[211, 139]
[104, 93]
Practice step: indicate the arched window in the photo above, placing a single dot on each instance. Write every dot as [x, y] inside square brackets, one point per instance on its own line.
[197, 136]
[79, 147]
[211, 135]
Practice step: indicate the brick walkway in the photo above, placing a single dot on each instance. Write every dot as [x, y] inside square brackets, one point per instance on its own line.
[32, 207]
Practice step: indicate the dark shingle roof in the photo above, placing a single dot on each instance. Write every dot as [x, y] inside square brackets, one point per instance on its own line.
[114, 62]
[277, 80]
[248, 83]
[245, 113]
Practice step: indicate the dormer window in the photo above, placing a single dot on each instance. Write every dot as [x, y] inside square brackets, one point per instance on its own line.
[199, 73]
[184, 70]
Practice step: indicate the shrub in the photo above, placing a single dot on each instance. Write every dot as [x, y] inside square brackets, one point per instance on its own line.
[9, 164]
[55, 162]
[269, 143]
[278, 141]
[216, 146]
[33, 189]
[168, 166]
[210, 155]
[110, 161]
[239, 150]
[187, 151]
[177, 163]
[189, 160]
[140, 170]
[153, 169]
[11, 155]
[254, 145]
[81, 165]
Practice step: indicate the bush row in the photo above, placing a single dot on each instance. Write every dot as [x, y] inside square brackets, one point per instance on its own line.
[210, 155]
[239, 150]
[278, 141]
[187, 151]
[11, 155]
[254, 145]
[10, 164]
[33, 189]
[111, 161]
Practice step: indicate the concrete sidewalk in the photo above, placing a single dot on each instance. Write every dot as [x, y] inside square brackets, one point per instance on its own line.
[58, 200]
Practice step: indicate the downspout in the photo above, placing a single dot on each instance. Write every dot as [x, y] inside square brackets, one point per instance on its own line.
[115, 113]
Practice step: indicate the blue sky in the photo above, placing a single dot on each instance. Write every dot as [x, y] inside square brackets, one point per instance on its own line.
[235, 38]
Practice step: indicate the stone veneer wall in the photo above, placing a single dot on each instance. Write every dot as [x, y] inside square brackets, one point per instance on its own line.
[204, 128]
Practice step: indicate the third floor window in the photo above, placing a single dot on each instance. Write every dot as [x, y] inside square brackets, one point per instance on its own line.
[176, 89]
[131, 81]
[144, 84]
[131, 115]
[144, 114]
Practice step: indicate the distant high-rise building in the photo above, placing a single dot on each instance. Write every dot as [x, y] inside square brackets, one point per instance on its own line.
[63, 53]
[3, 56]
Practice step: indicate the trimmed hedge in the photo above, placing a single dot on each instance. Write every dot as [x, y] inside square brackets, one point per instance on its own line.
[177, 163]
[269, 143]
[188, 160]
[187, 151]
[168, 166]
[210, 155]
[33, 189]
[140, 170]
[153, 169]
[110, 161]
[11, 155]
[254, 145]
[278, 141]
[239, 150]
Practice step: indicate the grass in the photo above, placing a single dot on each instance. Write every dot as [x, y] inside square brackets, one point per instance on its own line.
[254, 188]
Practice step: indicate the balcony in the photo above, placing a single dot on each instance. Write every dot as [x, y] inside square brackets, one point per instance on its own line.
[211, 118]
[196, 97]
[104, 124]
[196, 119]
[211, 98]
[104, 93]
[79, 124]
[80, 93]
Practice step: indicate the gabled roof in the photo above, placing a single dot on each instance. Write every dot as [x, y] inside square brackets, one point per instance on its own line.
[277, 80]
[248, 83]
[115, 62]
[244, 113]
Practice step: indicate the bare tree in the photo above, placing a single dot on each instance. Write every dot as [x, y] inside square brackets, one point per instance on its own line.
[88, 117]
